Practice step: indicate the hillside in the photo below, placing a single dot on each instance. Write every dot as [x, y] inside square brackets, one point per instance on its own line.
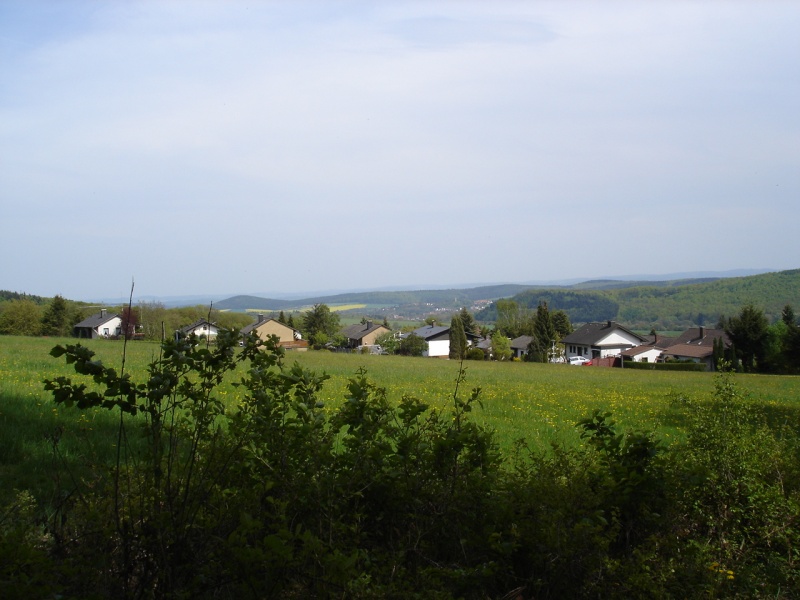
[454, 298]
[673, 304]
[666, 305]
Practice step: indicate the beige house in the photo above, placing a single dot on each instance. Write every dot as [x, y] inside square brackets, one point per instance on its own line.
[363, 334]
[288, 337]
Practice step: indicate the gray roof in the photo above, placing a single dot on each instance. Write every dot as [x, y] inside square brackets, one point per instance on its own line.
[359, 330]
[689, 351]
[702, 336]
[188, 328]
[97, 319]
[522, 342]
[659, 341]
[591, 333]
[430, 331]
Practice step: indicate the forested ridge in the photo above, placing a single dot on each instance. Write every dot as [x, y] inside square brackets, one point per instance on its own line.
[664, 306]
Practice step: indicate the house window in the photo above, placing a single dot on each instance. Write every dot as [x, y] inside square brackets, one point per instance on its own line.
[105, 331]
[204, 327]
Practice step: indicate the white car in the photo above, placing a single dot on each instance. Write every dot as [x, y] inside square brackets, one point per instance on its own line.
[578, 360]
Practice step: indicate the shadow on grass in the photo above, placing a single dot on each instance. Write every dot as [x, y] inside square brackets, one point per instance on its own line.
[48, 449]
[778, 417]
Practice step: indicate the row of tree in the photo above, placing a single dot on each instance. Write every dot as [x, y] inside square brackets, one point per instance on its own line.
[760, 347]
[26, 316]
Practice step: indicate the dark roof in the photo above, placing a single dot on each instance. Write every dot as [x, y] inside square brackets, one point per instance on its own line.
[359, 330]
[188, 328]
[702, 336]
[522, 342]
[97, 319]
[591, 333]
[689, 350]
[430, 331]
[660, 341]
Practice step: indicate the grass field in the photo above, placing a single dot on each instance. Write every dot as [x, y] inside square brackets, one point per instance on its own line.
[537, 402]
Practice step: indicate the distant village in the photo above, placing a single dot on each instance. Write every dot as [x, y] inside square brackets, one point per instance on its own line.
[603, 344]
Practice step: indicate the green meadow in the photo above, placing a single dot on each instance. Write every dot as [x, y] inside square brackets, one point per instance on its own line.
[540, 403]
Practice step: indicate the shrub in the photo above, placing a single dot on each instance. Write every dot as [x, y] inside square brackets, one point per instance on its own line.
[475, 354]
[279, 497]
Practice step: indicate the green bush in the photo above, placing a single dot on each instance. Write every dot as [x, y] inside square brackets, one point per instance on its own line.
[475, 354]
[281, 498]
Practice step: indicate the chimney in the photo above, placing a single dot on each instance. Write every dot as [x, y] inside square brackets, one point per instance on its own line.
[369, 324]
[102, 313]
[260, 318]
[702, 332]
[609, 323]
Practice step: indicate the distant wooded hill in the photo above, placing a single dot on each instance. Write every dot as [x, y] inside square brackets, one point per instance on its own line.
[668, 304]
[455, 298]
[663, 305]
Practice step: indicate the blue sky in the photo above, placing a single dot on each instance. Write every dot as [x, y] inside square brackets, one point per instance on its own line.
[283, 147]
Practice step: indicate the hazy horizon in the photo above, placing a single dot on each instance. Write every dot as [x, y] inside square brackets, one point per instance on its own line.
[204, 147]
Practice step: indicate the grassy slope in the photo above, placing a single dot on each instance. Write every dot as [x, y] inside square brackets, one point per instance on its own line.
[538, 402]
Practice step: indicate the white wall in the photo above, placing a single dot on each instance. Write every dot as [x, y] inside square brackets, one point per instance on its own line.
[439, 348]
[114, 326]
[650, 355]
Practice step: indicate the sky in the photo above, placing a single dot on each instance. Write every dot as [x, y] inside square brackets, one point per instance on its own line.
[235, 147]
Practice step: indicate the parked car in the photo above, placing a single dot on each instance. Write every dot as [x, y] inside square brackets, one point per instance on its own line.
[578, 360]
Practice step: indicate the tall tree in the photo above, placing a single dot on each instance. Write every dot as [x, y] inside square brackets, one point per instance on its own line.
[787, 315]
[790, 350]
[155, 320]
[561, 323]
[282, 318]
[320, 324]
[130, 319]
[544, 332]
[468, 321]
[54, 320]
[458, 339]
[512, 319]
[748, 332]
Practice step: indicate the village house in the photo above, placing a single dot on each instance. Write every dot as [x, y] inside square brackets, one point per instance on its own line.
[99, 325]
[438, 338]
[288, 337]
[201, 327]
[600, 340]
[363, 334]
[697, 345]
[650, 351]
[519, 345]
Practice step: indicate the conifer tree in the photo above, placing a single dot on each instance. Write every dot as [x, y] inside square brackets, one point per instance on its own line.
[54, 320]
[468, 321]
[458, 339]
[544, 332]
